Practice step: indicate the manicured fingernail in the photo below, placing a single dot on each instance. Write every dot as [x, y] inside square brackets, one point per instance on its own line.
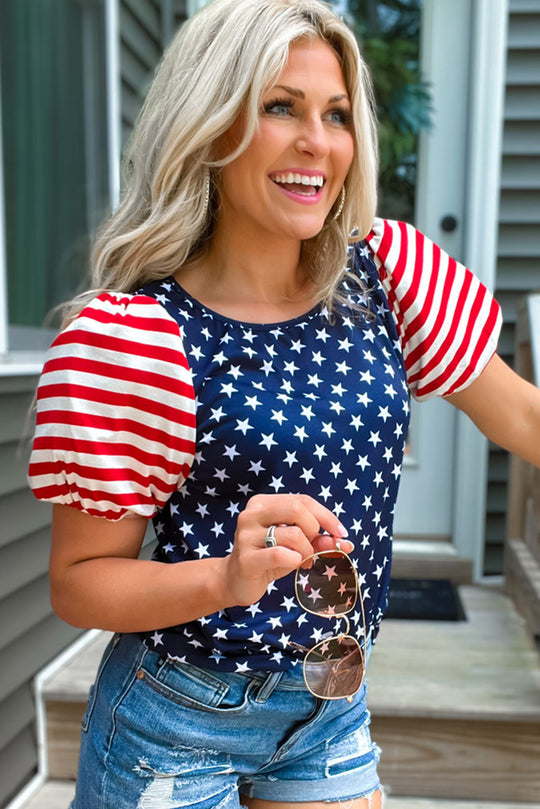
[351, 545]
[342, 531]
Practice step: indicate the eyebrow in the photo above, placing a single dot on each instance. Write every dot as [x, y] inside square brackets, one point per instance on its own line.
[294, 91]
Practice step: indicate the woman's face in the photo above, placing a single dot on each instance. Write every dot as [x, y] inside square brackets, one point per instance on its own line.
[291, 174]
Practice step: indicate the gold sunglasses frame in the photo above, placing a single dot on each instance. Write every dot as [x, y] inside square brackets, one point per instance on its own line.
[341, 616]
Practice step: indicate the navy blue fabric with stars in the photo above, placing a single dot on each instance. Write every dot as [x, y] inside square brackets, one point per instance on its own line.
[316, 405]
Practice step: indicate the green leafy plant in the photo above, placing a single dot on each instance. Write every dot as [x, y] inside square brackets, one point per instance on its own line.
[389, 36]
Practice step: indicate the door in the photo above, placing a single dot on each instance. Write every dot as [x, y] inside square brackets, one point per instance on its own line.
[425, 503]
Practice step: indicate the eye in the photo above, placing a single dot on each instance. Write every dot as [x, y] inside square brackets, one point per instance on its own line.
[341, 117]
[280, 106]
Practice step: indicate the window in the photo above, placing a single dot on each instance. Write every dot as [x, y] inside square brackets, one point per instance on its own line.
[54, 137]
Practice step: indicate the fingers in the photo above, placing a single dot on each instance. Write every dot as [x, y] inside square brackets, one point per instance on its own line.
[297, 521]
[327, 543]
[294, 511]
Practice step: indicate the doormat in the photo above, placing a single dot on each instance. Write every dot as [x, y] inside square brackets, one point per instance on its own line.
[425, 600]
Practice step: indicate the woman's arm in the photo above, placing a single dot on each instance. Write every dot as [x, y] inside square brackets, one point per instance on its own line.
[505, 408]
[98, 581]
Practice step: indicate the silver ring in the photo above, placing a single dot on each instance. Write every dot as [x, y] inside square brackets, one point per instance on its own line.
[270, 541]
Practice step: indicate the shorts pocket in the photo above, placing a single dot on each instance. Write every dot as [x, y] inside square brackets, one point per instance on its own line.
[109, 649]
[193, 687]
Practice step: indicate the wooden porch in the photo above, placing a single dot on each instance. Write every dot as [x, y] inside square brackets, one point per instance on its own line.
[455, 707]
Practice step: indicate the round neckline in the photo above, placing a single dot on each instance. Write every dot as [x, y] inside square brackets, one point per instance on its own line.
[315, 310]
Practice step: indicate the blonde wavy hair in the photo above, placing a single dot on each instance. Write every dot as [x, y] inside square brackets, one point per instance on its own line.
[219, 64]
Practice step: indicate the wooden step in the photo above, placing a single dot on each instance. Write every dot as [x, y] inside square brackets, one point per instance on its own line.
[52, 795]
[456, 706]
[65, 696]
[429, 559]
[58, 794]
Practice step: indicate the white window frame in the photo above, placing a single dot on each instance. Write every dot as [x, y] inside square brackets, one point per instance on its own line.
[30, 363]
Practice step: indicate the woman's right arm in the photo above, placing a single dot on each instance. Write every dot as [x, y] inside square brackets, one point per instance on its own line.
[97, 581]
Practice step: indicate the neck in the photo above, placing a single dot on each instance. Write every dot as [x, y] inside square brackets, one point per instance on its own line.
[266, 270]
[250, 278]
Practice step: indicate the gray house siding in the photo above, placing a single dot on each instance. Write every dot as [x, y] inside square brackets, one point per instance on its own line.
[518, 265]
[30, 635]
[146, 26]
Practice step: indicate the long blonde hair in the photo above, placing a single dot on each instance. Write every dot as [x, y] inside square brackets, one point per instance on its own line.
[219, 64]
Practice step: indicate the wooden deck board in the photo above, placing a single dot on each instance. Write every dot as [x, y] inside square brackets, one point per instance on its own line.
[72, 682]
[482, 668]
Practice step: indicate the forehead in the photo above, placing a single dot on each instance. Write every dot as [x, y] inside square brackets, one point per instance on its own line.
[313, 61]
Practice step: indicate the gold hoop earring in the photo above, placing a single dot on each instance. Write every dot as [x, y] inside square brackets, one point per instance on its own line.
[341, 203]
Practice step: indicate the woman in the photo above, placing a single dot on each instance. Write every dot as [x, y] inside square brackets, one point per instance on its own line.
[231, 378]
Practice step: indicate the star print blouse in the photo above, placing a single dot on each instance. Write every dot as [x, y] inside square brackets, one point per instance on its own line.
[151, 403]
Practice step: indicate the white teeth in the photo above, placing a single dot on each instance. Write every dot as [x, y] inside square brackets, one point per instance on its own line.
[299, 179]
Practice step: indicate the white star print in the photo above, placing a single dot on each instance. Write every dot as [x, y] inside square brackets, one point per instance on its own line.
[243, 426]
[230, 452]
[277, 484]
[277, 415]
[268, 441]
[252, 401]
[325, 493]
[307, 475]
[268, 385]
[300, 432]
[228, 389]
[157, 638]
[256, 467]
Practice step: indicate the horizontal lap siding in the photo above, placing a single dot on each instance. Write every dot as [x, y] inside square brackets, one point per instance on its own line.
[145, 27]
[30, 635]
[518, 270]
[141, 38]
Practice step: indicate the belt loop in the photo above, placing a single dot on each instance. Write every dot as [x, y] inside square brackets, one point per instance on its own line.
[268, 686]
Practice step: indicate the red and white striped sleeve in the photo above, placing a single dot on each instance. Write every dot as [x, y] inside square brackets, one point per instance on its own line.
[115, 411]
[447, 320]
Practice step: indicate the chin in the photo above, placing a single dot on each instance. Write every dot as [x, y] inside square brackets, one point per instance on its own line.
[307, 231]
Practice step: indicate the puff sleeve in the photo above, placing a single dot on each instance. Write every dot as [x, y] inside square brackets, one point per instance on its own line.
[115, 428]
[447, 320]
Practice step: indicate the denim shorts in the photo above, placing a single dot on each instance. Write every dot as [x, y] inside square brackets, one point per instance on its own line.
[163, 735]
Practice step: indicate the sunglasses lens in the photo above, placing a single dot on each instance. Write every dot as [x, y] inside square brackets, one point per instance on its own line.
[329, 586]
[334, 668]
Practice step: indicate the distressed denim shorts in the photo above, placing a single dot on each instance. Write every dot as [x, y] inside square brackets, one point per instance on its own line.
[163, 735]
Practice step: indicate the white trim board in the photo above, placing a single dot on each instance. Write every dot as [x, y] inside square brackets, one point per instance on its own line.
[486, 106]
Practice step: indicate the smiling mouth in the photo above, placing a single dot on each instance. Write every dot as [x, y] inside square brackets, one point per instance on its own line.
[299, 183]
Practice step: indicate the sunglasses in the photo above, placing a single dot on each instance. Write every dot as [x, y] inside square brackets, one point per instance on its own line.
[327, 585]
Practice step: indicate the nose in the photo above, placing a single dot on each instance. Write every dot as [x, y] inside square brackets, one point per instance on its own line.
[313, 138]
